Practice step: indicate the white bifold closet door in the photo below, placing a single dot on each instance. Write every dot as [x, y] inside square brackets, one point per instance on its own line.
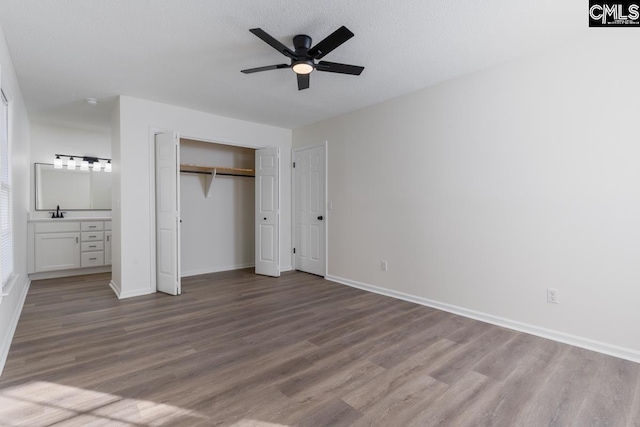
[167, 149]
[268, 212]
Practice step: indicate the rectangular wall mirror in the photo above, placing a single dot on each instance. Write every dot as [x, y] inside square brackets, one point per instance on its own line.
[71, 189]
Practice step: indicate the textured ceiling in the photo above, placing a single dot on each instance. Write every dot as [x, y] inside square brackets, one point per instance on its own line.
[190, 52]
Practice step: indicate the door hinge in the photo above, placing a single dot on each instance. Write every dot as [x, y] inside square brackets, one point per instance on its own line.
[294, 250]
[294, 164]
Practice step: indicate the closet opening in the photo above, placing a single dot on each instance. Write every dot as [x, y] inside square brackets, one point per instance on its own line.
[217, 207]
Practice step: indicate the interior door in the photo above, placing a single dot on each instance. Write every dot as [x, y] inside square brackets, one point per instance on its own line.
[167, 215]
[310, 215]
[268, 212]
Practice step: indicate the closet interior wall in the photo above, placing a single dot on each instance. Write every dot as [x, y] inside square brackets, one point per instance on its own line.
[217, 232]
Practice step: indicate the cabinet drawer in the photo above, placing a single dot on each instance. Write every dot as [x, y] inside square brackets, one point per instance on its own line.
[92, 236]
[92, 225]
[107, 225]
[92, 259]
[92, 246]
[57, 227]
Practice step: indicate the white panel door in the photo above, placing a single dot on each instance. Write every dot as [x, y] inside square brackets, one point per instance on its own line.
[310, 216]
[268, 212]
[167, 215]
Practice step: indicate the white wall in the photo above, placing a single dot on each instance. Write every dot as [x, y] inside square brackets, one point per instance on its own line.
[217, 232]
[47, 140]
[484, 191]
[11, 305]
[133, 268]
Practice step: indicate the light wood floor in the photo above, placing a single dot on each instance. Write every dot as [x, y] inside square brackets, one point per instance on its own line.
[245, 350]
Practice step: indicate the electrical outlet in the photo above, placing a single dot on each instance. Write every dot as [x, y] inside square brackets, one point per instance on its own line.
[552, 295]
[383, 265]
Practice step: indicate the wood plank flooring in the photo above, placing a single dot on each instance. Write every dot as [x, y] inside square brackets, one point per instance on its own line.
[238, 349]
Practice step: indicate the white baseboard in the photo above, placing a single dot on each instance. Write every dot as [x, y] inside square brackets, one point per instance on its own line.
[589, 344]
[69, 273]
[122, 295]
[216, 269]
[5, 342]
[116, 288]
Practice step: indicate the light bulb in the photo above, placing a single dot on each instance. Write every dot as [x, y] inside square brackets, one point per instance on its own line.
[107, 167]
[96, 166]
[302, 67]
[71, 164]
[84, 165]
[57, 163]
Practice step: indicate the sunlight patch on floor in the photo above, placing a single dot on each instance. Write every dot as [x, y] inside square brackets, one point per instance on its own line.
[41, 404]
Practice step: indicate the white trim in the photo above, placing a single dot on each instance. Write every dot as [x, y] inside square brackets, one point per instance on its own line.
[116, 288]
[324, 145]
[69, 273]
[589, 344]
[137, 293]
[5, 343]
[217, 269]
[123, 295]
[6, 290]
[286, 268]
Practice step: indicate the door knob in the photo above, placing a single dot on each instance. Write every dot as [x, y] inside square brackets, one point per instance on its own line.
[320, 217]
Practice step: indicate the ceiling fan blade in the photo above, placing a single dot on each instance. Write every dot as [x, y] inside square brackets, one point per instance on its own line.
[331, 42]
[334, 67]
[273, 42]
[267, 68]
[303, 81]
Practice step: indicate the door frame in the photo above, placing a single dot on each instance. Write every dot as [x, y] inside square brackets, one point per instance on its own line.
[153, 131]
[294, 237]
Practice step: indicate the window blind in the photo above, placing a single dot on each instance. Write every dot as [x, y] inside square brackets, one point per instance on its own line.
[6, 233]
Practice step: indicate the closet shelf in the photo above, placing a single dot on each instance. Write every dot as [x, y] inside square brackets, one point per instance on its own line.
[218, 170]
[213, 171]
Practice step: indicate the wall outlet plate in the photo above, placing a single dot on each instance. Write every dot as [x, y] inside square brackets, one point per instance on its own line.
[552, 295]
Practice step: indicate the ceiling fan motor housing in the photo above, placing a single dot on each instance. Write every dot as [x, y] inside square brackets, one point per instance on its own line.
[302, 44]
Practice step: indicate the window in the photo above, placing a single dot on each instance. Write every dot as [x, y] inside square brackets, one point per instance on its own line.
[6, 235]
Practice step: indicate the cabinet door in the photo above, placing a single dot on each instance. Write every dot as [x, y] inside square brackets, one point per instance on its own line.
[57, 251]
[107, 248]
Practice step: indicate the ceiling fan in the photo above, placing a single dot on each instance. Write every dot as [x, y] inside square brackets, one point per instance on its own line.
[303, 57]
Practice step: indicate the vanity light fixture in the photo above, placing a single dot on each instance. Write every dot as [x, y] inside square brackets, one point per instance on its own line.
[87, 163]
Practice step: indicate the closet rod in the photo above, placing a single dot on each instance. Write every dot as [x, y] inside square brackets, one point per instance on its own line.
[217, 174]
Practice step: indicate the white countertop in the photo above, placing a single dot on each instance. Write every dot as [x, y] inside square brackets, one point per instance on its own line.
[88, 218]
[45, 216]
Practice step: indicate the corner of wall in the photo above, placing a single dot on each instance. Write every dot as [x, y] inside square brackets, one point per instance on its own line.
[5, 341]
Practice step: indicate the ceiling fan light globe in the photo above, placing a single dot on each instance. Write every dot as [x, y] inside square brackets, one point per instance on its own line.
[302, 67]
